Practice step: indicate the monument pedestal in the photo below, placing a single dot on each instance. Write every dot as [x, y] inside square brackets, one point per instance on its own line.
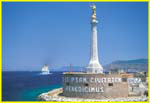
[94, 65]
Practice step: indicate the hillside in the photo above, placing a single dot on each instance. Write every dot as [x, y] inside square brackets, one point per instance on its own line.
[128, 65]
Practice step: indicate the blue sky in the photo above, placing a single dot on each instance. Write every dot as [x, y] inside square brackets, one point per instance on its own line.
[59, 33]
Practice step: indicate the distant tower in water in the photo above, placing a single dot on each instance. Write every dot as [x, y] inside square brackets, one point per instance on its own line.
[45, 69]
[94, 65]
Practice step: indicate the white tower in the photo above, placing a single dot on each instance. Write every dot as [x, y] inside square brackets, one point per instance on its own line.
[94, 65]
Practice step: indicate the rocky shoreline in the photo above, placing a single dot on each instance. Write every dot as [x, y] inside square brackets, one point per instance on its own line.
[55, 95]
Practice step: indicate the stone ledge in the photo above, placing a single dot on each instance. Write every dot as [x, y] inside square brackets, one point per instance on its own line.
[56, 95]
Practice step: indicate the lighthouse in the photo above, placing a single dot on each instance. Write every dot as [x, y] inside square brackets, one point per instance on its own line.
[94, 84]
[94, 66]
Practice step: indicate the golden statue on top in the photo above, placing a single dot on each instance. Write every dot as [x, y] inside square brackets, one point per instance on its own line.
[93, 11]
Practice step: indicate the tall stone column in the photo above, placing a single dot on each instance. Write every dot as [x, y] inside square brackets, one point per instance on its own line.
[94, 65]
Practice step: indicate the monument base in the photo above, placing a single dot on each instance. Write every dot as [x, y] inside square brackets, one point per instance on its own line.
[95, 86]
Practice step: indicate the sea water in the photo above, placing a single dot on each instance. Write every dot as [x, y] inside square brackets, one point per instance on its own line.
[26, 86]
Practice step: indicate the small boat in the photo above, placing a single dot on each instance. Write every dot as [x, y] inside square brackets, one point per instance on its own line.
[45, 69]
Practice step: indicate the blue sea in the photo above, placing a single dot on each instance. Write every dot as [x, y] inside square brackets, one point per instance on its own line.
[26, 86]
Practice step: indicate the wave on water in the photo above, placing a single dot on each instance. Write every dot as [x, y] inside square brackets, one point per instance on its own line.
[45, 73]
